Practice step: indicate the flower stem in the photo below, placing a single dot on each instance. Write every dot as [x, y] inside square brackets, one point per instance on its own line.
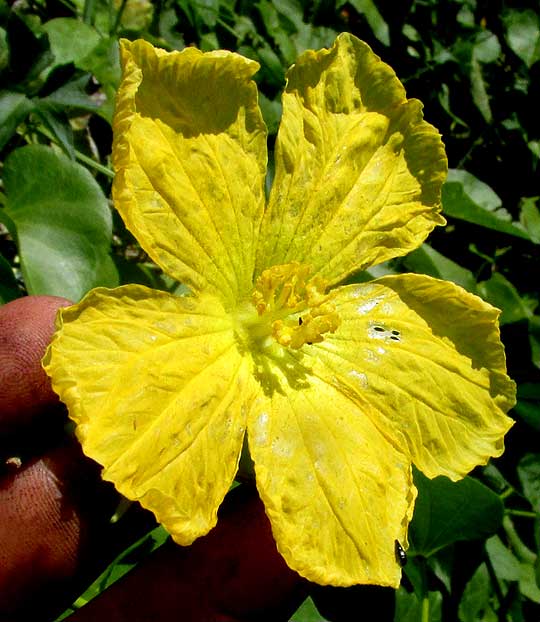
[93, 164]
[523, 553]
[425, 608]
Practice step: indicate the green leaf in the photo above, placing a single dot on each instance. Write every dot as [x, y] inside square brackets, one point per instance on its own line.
[475, 603]
[8, 283]
[467, 198]
[479, 91]
[410, 608]
[530, 218]
[426, 260]
[14, 108]
[505, 563]
[534, 340]
[527, 581]
[369, 9]
[487, 48]
[279, 31]
[72, 95]
[56, 121]
[523, 34]
[71, 40]
[63, 223]
[528, 404]
[307, 612]
[518, 568]
[529, 476]
[447, 512]
[4, 50]
[123, 563]
[104, 63]
[271, 111]
[499, 292]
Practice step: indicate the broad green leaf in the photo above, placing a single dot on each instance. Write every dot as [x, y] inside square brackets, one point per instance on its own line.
[499, 292]
[442, 565]
[487, 48]
[476, 602]
[467, 198]
[63, 223]
[272, 70]
[307, 613]
[479, 90]
[55, 119]
[14, 108]
[448, 512]
[70, 39]
[518, 567]
[8, 284]
[530, 218]
[190, 157]
[528, 405]
[505, 563]
[358, 170]
[523, 34]
[376, 22]
[426, 260]
[292, 11]
[410, 608]
[159, 393]
[104, 63]
[73, 94]
[278, 28]
[527, 581]
[205, 12]
[137, 14]
[271, 111]
[529, 475]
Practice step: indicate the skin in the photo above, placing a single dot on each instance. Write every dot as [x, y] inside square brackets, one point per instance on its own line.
[55, 533]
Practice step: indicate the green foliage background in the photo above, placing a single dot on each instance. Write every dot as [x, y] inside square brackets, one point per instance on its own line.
[475, 544]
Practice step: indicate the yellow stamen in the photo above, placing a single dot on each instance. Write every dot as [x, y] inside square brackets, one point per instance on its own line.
[297, 310]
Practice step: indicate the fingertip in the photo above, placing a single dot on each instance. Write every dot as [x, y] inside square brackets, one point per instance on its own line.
[55, 515]
[26, 328]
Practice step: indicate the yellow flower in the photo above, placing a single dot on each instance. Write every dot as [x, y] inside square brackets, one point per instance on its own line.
[335, 389]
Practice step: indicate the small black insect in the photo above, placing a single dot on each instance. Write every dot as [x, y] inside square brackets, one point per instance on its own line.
[401, 556]
[300, 321]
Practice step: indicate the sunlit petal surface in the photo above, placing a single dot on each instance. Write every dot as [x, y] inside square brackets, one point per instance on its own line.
[156, 386]
[190, 159]
[427, 356]
[337, 492]
[358, 171]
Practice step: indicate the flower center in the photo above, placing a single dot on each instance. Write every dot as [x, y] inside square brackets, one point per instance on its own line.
[291, 308]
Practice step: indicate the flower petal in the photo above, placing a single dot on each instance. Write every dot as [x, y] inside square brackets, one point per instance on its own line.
[155, 384]
[427, 356]
[337, 493]
[190, 159]
[358, 172]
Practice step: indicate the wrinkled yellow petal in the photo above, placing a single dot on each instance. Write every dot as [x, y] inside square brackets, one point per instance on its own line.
[155, 384]
[338, 494]
[427, 356]
[190, 157]
[358, 171]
